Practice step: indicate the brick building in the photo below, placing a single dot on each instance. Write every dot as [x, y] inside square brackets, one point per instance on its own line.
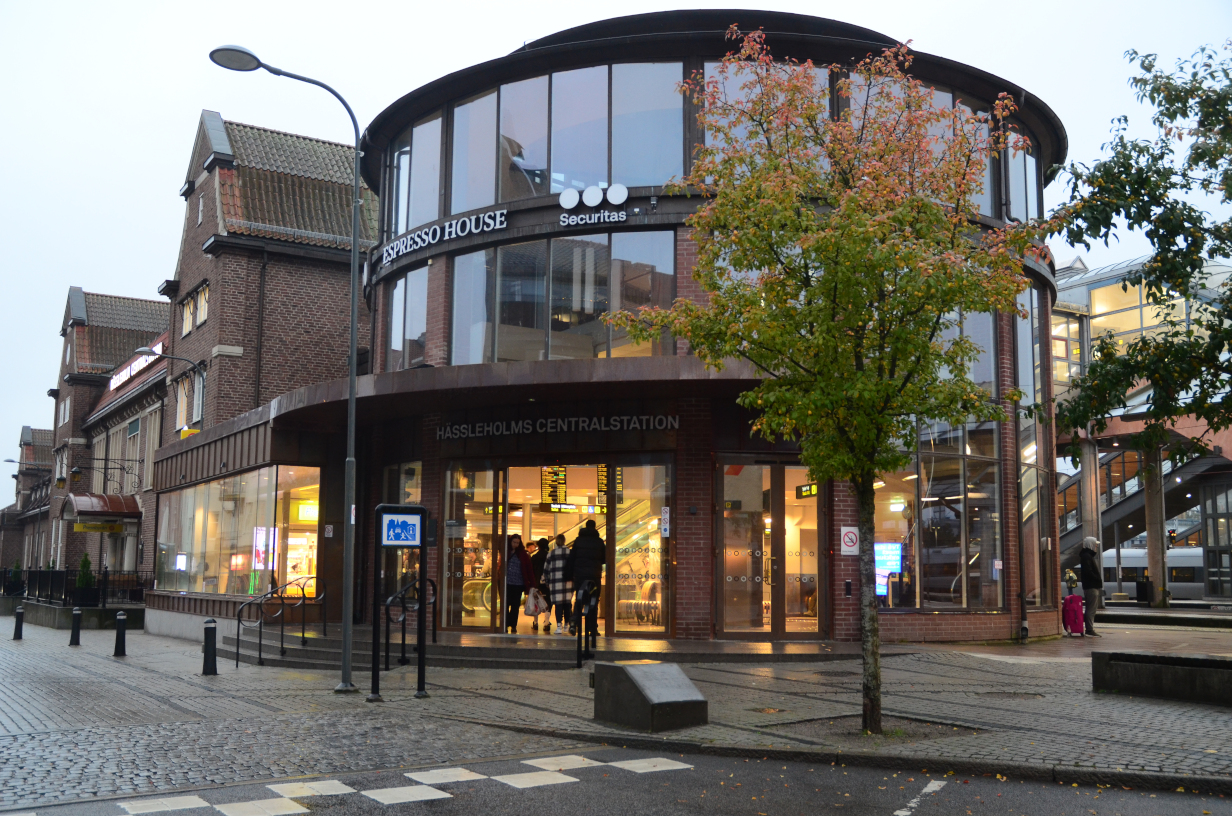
[520, 200]
[23, 524]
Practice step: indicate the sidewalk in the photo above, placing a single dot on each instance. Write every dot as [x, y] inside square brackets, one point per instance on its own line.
[77, 723]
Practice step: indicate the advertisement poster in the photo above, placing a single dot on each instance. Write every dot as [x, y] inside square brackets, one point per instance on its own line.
[887, 560]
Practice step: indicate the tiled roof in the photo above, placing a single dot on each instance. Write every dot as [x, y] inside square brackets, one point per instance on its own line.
[156, 370]
[42, 440]
[292, 188]
[118, 312]
[101, 349]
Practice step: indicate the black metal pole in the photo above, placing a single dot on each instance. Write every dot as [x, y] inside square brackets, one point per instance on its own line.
[374, 695]
[422, 623]
[18, 615]
[386, 635]
[402, 661]
[209, 665]
[74, 638]
[103, 592]
[121, 625]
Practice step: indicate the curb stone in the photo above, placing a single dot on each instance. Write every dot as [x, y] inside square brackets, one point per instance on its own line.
[1061, 774]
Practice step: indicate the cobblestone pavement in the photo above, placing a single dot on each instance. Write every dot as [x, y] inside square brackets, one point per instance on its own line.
[78, 723]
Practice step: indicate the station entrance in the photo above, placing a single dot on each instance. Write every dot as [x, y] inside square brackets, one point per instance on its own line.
[485, 506]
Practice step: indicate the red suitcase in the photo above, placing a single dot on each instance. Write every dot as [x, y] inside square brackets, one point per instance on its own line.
[1071, 614]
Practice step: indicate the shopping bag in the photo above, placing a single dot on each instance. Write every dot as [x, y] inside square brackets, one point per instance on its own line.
[535, 603]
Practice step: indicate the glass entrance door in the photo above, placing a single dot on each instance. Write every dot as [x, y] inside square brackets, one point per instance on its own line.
[770, 584]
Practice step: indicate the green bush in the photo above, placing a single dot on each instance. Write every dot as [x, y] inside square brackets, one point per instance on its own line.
[85, 578]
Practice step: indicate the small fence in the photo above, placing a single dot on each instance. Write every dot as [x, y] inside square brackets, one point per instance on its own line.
[60, 587]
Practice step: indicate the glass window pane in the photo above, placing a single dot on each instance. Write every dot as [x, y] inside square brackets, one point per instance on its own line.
[801, 549]
[1028, 493]
[402, 183]
[1117, 322]
[1018, 184]
[940, 437]
[521, 281]
[298, 513]
[941, 512]
[647, 123]
[425, 202]
[746, 548]
[895, 514]
[397, 306]
[643, 265]
[468, 557]
[1033, 207]
[524, 139]
[579, 128]
[641, 552]
[473, 181]
[416, 321]
[982, 201]
[1027, 339]
[979, 327]
[983, 557]
[1112, 298]
[580, 271]
[474, 278]
[982, 439]
[730, 85]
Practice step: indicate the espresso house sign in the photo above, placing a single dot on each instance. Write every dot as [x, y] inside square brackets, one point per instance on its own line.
[447, 231]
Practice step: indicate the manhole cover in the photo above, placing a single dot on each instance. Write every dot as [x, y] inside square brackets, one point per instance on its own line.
[768, 710]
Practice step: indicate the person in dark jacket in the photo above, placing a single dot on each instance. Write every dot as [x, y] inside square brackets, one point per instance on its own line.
[519, 577]
[586, 563]
[1092, 581]
[537, 561]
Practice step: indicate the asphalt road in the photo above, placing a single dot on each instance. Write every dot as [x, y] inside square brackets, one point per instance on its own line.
[688, 784]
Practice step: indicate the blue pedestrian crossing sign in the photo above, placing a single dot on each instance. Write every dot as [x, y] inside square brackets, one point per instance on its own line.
[402, 525]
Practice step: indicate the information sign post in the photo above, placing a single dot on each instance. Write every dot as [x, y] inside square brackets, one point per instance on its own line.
[401, 526]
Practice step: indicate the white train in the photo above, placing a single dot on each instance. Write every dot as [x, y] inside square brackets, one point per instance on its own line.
[1186, 576]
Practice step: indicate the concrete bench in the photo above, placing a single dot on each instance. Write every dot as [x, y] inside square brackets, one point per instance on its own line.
[647, 695]
[1192, 678]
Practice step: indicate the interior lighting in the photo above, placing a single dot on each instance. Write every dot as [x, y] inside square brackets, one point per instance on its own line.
[878, 485]
[309, 511]
[897, 507]
[910, 477]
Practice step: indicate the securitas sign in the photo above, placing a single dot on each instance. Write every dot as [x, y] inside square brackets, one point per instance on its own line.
[593, 196]
[448, 231]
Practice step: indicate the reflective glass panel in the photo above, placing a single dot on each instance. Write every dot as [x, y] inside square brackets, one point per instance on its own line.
[746, 548]
[579, 128]
[1033, 205]
[473, 180]
[941, 517]
[979, 327]
[415, 323]
[1028, 493]
[580, 274]
[982, 201]
[983, 563]
[641, 549]
[523, 160]
[802, 548]
[298, 513]
[647, 123]
[397, 313]
[521, 281]
[643, 265]
[1117, 322]
[474, 277]
[425, 204]
[982, 439]
[468, 557]
[401, 185]
[1113, 298]
[895, 519]
[1017, 163]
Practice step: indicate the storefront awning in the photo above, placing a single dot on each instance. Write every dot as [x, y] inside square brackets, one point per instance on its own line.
[101, 506]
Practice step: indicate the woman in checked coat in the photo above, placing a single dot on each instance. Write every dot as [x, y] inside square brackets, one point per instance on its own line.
[560, 585]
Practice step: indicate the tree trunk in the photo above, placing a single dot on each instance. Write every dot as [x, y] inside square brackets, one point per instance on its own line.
[870, 627]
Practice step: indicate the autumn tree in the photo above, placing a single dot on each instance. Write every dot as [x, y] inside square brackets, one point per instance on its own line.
[837, 248]
[1164, 187]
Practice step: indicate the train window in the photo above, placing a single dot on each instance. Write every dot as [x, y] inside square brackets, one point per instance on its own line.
[1109, 574]
[1129, 574]
[1181, 575]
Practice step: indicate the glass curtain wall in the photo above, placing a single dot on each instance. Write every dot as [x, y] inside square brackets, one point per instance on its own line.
[1033, 539]
[746, 534]
[471, 512]
[641, 550]
[473, 177]
[408, 321]
[499, 297]
[579, 129]
[241, 535]
[523, 148]
[416, 182]
[647, 123]
[801, 547]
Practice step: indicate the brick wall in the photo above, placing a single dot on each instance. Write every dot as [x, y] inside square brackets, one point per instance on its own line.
[440, 310]
[686, 286]
[693, 547]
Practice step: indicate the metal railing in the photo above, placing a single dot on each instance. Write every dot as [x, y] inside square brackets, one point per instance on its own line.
[296, 591]
[60, 587]
[1119, 479]
[400, 598]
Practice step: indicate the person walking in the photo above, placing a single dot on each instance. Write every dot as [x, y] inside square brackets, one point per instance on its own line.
[585, 564]
[1092, 581]
[559, 586]
[519, 576]
[537, 562]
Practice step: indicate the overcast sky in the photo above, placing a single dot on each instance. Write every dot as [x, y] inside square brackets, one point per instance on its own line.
[100, 102]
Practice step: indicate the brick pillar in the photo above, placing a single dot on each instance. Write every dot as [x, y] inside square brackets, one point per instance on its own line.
[844, 567]
[693, 547]
[433, 495]
[686, 286]
[1010, 518]
[440, 309]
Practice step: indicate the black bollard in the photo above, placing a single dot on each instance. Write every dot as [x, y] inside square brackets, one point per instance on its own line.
[18, 615]
[74, 638]
[121, 625]
[210, 665]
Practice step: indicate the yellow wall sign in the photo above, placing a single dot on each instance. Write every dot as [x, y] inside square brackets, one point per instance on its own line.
[97, 527]
[187, 432]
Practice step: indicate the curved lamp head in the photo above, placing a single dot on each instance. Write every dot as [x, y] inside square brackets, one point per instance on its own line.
[235, 58]
[147, 351]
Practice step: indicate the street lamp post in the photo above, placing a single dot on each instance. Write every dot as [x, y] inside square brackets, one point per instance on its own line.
[149, 352]
[236, 58]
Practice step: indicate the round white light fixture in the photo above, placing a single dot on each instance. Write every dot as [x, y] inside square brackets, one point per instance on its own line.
[617, 194]
[592, 196]
[569, 198]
